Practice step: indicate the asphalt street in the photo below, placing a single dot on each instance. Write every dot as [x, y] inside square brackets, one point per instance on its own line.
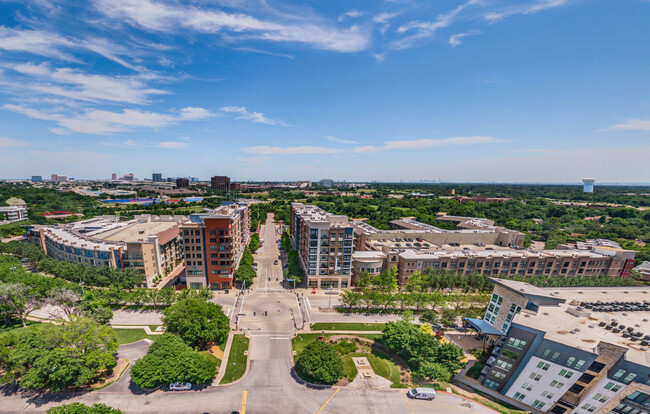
[269, 315]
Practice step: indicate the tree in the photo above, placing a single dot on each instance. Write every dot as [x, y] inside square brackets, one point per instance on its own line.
[19, 300]
[197, 321]
[319, 362]
[429, 316]
[64, 299]
[364, 280]
[253, 245]
[79, 408]
[449, 317]
[433, 371]
[350, 299]
[168, 360]
[386, 280]
[97, 312]
[58, 356]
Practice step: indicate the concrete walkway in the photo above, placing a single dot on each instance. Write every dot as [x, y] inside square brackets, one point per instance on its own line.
[224, 361]
[146, 328]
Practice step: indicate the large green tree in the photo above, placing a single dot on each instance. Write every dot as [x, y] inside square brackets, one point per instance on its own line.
[168, 360]
[57, 356]
[197, 321]
[320, 362]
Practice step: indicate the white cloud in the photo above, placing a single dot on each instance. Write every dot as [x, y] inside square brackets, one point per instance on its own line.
[306, 149]
[161, 17]
[633, 124]
[104, 122]
[455, 39]
[426, 143]
[339, 140]
[536, 7]
[173, 145]
[350, 14]
[76, 85]
[192, 113]
[256, 117]
[10, 143]
[384, 17]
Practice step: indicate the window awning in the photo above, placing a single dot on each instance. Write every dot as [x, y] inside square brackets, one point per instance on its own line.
[482, 326]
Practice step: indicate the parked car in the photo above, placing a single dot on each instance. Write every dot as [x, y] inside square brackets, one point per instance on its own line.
[180, 386]
[275, 262]
[422, 393]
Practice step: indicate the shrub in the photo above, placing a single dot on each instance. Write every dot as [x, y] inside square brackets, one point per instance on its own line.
[320, 363]
[345, 347]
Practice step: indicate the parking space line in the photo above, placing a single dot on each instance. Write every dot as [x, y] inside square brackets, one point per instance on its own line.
[328, 400]
[408, 404]
[243, 402]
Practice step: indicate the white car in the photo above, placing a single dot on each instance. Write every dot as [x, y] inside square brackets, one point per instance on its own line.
[180, 386]
[422, 393]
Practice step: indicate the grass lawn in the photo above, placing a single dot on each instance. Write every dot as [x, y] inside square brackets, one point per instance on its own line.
[127, 336]
[349, 369]
[346, 326]
[211, 356]
[381, 364]
[14, 325]
[302, 340]
[236, 359]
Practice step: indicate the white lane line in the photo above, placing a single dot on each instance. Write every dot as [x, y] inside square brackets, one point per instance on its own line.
[280, 337]
[307, 312]
[228, 313]
[308, 304]
[299, 311]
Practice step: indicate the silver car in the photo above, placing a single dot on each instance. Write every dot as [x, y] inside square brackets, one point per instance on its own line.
[180, 386]
[422, 393]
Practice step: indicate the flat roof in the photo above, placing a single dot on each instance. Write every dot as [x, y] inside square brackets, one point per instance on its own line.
[583, 332]
[526, 289]
[139, 231]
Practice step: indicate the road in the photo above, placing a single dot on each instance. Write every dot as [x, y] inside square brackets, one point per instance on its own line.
[270, 316]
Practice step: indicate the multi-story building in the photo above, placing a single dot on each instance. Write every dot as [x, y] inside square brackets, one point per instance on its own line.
[128, 177]
[214, 242]
[568, 350]
[59, 178]
[150, 245]
[324, 243]
[156, 177]
[220, 182]
[37, 178]
[477, 246]
[13, 213]
[114, 176]
[182, 182]
[326, 182]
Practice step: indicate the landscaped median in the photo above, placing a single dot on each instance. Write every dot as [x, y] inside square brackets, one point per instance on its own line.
[237, 359]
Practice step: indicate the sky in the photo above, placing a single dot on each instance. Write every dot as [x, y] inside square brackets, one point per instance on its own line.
[459, 91]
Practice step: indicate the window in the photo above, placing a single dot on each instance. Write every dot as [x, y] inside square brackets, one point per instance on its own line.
[527, 386]
[547, 394]
[555, 356]
[503, 365]
[546, 353]
[510, 354]
[589, 408]
[565, 373]
[600, 397]
[613, 387]
[519, 396]
[538, 404]
[618, 374]
[535, 376]
[557, 384]
[629, 377]
[491, 384]
[498, 375]
[544, 366]
[516, 343]
[580, 364]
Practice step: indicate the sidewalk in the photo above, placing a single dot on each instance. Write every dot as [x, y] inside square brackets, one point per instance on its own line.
[224, 361]
[146, 328]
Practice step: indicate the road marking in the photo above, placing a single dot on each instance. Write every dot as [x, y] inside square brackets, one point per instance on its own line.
[299, 311]
[280, 337]
[228, 313]
[243, 402]
[407, 403]
[308, 304]
[328, 400]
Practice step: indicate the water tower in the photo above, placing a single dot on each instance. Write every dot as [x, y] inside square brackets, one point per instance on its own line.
[589, 185]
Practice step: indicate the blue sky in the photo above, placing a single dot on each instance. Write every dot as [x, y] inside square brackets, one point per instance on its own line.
[475, 90]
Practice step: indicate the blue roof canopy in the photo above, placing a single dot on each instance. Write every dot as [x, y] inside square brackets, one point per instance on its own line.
[483, 326]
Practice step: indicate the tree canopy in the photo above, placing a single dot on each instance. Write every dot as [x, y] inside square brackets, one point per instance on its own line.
[197, 322]
[79, 408]
[320, 362]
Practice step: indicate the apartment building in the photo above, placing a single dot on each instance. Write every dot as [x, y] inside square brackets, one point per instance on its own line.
[182, 182]
[150, 245]
[568, 350]
[324, 243]
[214, 242]
[13, 213]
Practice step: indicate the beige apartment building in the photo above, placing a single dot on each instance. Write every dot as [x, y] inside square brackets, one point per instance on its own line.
[324, 243]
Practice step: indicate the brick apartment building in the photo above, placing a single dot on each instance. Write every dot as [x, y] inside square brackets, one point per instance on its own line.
[214, 242]
[220, 182]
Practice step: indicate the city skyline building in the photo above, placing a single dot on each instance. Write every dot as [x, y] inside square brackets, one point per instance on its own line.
[220, 182]
[37, 178]
[588, 185]
[156, 177]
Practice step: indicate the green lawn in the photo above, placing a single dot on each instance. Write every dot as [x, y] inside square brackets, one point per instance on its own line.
[236, 359]
[211, 356]
[127, 336]
[349, 369]
[345, 326]
[14, 324]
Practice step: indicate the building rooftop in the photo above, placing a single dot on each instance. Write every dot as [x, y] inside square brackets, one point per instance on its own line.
[580, 328]
[137, 232]
[496, 253]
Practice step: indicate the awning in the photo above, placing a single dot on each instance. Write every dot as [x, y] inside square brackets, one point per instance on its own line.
[483, 326]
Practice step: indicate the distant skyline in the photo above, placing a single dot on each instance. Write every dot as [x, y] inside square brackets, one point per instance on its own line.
[538, 91]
